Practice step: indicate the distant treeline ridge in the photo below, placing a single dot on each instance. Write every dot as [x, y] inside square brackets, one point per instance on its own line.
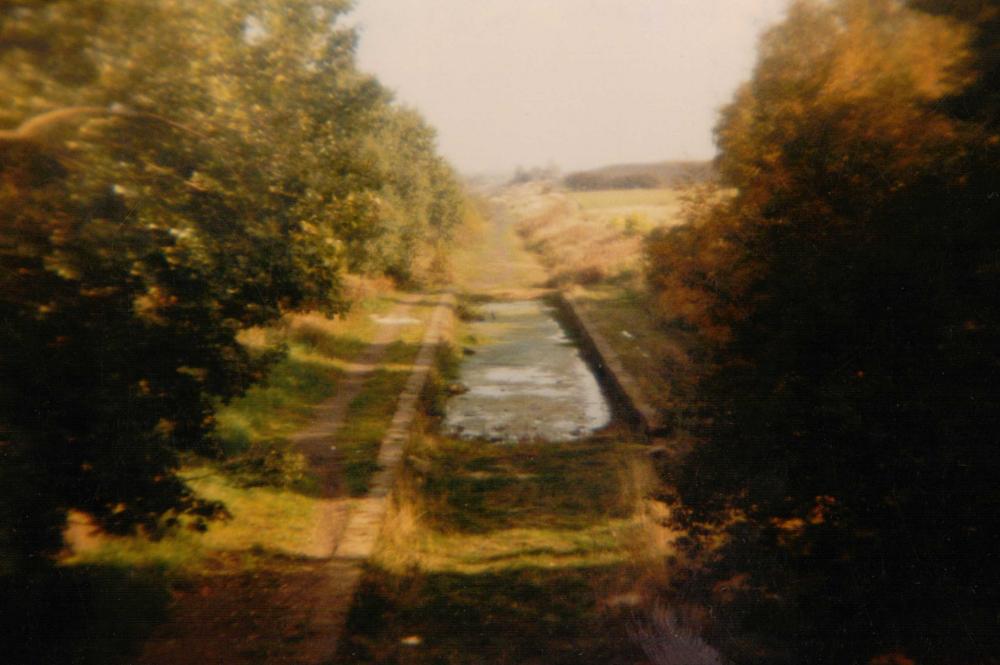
[641, 176]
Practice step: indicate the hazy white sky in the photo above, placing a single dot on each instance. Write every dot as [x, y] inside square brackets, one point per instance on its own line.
[578, 83]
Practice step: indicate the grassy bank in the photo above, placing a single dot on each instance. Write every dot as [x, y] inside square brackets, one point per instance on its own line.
[263, 482]
[589, 238]
[267, 544]
[658, 357]
[534, 553]
[667, 198]
[591, 244]
[510, 554]
[369, 415]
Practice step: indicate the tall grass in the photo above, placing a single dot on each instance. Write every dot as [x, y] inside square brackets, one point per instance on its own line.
[575, 249]
[491, 554]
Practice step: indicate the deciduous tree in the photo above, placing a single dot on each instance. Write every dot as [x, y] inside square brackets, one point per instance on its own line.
[848, 293]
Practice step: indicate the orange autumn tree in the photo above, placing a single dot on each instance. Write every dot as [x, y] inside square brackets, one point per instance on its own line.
[847, 295]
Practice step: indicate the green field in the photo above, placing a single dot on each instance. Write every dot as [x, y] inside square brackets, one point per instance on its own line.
[625, 198]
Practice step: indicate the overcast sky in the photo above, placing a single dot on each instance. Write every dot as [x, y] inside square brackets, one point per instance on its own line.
[577, 83]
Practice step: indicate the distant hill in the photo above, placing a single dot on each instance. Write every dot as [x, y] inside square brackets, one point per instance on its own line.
[641, 176]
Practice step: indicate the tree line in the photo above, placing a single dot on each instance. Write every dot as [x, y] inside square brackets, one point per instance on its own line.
[584, 182]
[653, 175]
[844, 290]
[171, 173]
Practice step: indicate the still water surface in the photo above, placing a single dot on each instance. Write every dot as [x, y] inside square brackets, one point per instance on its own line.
[526, 380]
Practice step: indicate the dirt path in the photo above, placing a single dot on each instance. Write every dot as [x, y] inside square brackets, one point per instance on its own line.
[318, 441]
[364, 522]
[289, 609]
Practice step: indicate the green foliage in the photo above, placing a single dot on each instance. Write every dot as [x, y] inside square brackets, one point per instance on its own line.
[421, 203]
[176, 171]
[634, 224]
[267, 464]
[653, 175]
[848, 294]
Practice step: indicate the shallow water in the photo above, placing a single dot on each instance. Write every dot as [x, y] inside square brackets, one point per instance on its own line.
[526, 381]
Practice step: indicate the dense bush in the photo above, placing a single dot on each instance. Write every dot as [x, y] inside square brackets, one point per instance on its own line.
[847, 295]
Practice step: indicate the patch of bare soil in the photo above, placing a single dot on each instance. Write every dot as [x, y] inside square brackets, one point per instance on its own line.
[281, 611]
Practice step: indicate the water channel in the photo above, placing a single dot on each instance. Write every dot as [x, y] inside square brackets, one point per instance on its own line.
[526, 380]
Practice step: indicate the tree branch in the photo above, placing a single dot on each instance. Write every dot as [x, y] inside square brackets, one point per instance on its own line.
[34, 129]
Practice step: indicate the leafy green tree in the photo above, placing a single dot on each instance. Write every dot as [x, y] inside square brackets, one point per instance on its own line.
[173, 171]
[420, 200]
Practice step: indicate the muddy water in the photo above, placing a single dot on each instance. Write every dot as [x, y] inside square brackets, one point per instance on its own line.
[526, 380]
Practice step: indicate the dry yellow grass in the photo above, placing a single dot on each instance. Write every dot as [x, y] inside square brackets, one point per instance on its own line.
[590, 237]
[627, 198]
[524, 540]
[633, 211]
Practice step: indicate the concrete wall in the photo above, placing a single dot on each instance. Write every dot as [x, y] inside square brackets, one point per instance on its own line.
[623, 387]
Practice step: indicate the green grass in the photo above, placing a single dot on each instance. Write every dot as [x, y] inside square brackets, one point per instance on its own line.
[506, 554]
[318, 349]
[493, 259]
[543, 616]
[657, 356]
[262, 519]
[271, 531]
[625, 198]
[276, 519]
[475, 488]
[274, 508]
[369, 415]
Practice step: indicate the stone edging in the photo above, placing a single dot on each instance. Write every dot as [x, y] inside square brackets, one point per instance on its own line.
[364, 523]
[623, 385]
